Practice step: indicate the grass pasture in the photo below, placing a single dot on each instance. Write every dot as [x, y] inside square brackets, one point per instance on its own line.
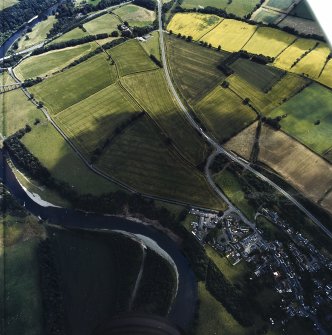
[303, 110]
[67, 88]
[298, 165]
[223, 113]
[102, 24]
[296, 50]
[193, 24]
[16, 111]
[49, 62]
[6, 79]
[62, 162]
[154, 168]
[38, 34]
[135, 15]
[302, 10]
[203, 3]
[284, 89]
[70, 35]
[326, 76]
[213, 317]
[194, 68]
[269, 42]
[231, 35]
[266, 16]
[312, 64]
[7, 3]
[91, 121]
[151, 46]
[130, 58]
[151, 91]
[261, 76]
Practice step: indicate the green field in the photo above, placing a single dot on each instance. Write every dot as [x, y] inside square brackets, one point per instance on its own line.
[262, 76]
[280, 4]
[70, 35]
[284, 89]
[223, 113]
[16, 111]
[303, 110]
[231, 186]
[213, 317]
[19, 278]
[302, 10]
[62, 161]
[106, 23]
[65, 89]
[151, 46]
[136, 15]
[130, 58]
[237, 7]
[49, 62]
[141, 158]
[38, 34]
[151, 91]
[194, 68]
[97, 273]
[91, 121]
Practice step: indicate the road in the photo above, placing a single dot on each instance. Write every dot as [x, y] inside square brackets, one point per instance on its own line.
[217, 147]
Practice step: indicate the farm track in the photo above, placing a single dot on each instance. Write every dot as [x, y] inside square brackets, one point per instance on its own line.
[219, 149]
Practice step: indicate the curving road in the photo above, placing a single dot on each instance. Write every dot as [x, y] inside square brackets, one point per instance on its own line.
[218, 148]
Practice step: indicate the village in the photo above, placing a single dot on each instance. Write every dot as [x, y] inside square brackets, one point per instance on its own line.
[284, 262]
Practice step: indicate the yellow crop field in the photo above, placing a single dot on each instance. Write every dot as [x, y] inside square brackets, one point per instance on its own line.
[312, 64]
[193, 24]
[269, 42]
[231, 35]
[326, 76]
[287, 58]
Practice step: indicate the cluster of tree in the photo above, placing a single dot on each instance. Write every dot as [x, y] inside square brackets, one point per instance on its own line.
[156, 60]
[225, 69]
[219, 163]
[70, 43]
[9, 62]
[273, 122]
[141, 31]
[167, 6]
[30, 82]
[117, 131]
[231, 297]
[157, 285]
[98, 50]
[15, 16]
[53, 306]
[148, 4]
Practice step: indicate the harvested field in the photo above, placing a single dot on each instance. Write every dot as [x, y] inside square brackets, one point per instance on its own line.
[67, 88]
[298, 165]
[269, 42]
[309, 118]
[284, 89]
[231, 35]
[295, 51]
[136, 15]
[154, 168]
[194, 68]
[301, 25]
[312, 64]
[106, 23]
[151, 91]
[49, 62]
[261, 76]
[130, 58]
[243, 142]
[326, 76]
[92, 121]
[193, 24]
[223, 113]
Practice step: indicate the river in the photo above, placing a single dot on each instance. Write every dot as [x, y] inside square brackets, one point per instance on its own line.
[20, 32]
[183, 309]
